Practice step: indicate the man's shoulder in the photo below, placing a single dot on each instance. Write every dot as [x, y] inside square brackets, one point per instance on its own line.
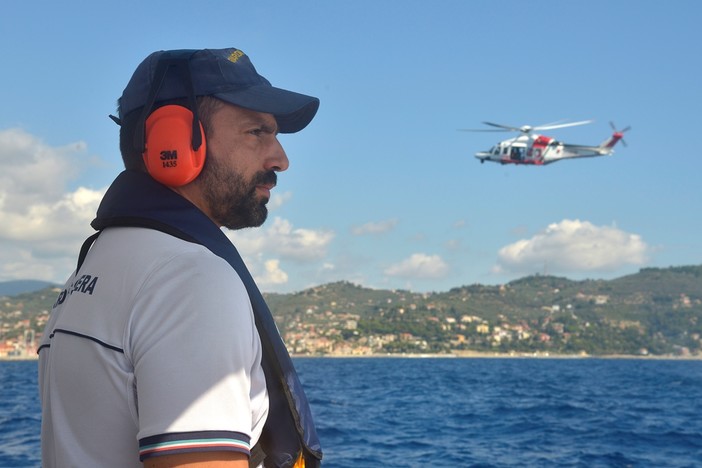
[145, 254]
[134, 244]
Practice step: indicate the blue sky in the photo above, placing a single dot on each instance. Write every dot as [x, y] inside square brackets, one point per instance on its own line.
[383, 190]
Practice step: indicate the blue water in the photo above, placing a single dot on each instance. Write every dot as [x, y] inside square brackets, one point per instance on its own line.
[20, 414]
[399, 412]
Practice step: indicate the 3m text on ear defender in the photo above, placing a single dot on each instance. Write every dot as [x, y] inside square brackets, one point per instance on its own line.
[169, 156]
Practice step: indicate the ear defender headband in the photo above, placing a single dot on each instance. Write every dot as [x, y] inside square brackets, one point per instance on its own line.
[171, 139]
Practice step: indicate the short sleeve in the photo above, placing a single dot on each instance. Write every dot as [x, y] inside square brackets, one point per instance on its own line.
[196, 356]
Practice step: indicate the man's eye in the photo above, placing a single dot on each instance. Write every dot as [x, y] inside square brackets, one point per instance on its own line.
[257, 132]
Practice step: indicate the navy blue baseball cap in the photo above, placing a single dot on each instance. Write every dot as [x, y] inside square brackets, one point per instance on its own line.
[226, 74]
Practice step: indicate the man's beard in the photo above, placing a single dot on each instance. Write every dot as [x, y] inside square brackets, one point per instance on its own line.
[233, 201]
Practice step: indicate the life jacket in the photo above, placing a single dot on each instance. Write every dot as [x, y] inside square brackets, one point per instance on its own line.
[289, 437]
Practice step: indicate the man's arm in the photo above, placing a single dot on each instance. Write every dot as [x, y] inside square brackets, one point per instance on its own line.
[200, 459]
[197, 368]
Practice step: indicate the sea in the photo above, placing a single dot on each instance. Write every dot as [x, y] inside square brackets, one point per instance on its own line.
[463, 412]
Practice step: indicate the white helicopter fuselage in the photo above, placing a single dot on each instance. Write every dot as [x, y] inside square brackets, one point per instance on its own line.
[539, 150]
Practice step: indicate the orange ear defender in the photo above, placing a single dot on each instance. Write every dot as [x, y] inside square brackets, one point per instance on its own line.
[169, 155]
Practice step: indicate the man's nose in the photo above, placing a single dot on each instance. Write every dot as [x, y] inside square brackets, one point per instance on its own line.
[278, 160]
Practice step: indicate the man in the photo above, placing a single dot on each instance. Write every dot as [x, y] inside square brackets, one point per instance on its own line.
[161, 350]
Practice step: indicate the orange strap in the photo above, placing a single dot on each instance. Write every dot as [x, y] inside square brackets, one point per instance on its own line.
[300, 462]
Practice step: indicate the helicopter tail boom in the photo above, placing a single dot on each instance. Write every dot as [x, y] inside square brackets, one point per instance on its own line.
[609, 143]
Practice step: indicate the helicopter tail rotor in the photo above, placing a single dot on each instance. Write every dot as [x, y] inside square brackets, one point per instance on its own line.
[620, 132]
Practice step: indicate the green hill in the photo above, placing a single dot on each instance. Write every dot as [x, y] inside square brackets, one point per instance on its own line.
[657, 311]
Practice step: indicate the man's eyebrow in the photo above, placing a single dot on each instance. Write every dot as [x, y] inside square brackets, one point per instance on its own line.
[269, 128]
[265, 125]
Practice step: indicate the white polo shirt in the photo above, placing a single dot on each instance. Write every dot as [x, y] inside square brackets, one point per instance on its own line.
[151, 349]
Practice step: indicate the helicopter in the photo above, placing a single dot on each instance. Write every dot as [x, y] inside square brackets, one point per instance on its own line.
[534, 149]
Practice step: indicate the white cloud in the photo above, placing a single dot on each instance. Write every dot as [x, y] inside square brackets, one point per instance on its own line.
[277, 244]
[278, 238]
[272, 274]
[278, 199]
[42, 223]
[574, 246]
[380, 227]
[419, 266]
[45, 221]
[20, 263]
[33, 171]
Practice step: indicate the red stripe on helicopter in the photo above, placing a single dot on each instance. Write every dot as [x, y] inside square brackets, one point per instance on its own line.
[542, 141]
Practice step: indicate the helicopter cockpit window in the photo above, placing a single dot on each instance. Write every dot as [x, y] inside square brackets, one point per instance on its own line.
[495, 150]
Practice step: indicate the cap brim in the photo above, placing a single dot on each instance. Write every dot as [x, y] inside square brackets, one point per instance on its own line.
[293, 111]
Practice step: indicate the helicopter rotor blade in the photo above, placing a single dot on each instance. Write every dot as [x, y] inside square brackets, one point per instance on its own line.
[490, 130]
[564, 125]
[508, 128]
[623, 130]
[526, 129]
[500, 128]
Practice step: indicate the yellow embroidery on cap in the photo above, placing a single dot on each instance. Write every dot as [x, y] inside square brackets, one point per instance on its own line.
[234, 56]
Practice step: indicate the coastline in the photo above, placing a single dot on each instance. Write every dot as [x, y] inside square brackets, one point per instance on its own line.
[459, 355]
[19, 358]
[493, 355]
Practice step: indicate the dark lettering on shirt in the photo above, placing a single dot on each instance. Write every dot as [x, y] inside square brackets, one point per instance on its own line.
[85, 284]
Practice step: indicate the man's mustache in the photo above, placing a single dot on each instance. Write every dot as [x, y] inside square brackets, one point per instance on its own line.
[266, 178]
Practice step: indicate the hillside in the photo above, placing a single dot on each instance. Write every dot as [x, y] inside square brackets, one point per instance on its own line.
[657, 311]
